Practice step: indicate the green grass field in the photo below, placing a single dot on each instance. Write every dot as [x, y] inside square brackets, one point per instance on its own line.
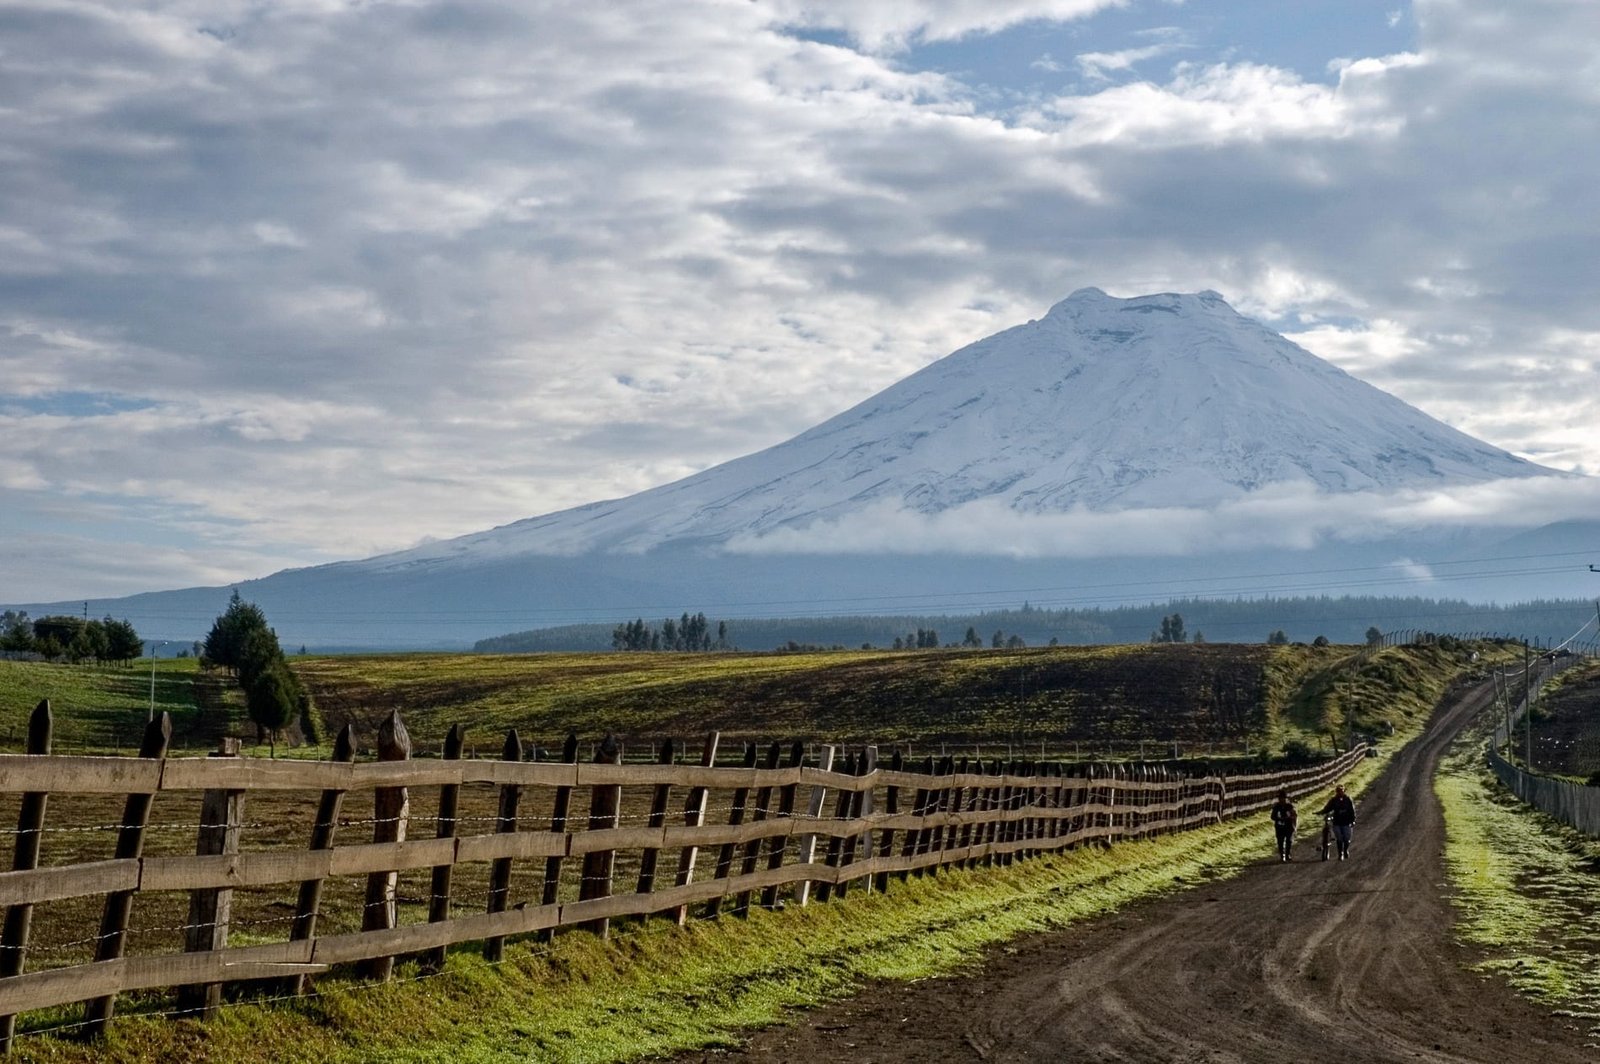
[1063, 695]
[654, 988]
[97, 708]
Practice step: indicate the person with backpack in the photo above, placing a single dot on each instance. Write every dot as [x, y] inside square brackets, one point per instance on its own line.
[1284, 819]
[1343, 812]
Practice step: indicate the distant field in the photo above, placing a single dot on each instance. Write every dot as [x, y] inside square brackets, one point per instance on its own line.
[100, 708]
[1566, 727]
[1210, 693]
[1097, 698]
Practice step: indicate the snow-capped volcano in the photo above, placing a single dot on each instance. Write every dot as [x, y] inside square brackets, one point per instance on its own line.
[1144, 447]
[1104, 403]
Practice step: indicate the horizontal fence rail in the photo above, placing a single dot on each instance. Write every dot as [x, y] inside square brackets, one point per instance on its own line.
[509, 850]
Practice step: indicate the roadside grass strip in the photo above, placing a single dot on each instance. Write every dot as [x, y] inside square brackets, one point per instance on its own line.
[656, 989]
[1526, 888]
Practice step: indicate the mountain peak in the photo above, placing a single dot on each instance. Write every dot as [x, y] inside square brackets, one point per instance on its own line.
[1159, 400]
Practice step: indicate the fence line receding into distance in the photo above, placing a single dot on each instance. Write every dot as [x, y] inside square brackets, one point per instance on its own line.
[516, 848]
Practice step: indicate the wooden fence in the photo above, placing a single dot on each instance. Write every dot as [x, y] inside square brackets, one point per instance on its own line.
[780, 831]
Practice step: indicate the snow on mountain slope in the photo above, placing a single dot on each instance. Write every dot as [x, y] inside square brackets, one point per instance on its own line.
[1105, 404]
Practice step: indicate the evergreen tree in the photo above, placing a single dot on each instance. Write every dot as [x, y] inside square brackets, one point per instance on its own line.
[259, 652]
[16, 631]
[971, 639]
[122, 641]
[997, 640]
[1374, 636]
[226, 639]
[272, 699]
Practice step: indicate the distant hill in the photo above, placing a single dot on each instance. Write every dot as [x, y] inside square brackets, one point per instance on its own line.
[1342, 619]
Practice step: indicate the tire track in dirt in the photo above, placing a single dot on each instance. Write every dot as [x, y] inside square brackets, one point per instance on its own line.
[1350, 962]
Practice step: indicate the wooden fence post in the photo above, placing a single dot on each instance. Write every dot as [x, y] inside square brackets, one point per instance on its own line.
[558, 825]
[994, 806]
[308, 907]
[659, 800]
[912, 847]
[941, 806]
[891, 807]
[972, 830]
[391, 807]
[814, 804]
[860, 806]
[30, 831]
[694, 816]
[605, 807]
[741, 795]
[442, 881]
[210, 911]
[841, 813]
[958, 795]
[119, 904]
[780, 843]
[505, 823]
[752, 849]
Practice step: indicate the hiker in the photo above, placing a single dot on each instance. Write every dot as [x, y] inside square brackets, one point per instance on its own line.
[1343, 812]
[1284, 819]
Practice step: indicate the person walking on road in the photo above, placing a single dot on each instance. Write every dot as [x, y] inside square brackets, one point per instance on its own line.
[1284, 819]
[1343, 812]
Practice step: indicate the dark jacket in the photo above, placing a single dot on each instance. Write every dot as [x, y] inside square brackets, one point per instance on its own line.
[1342, 808]
[1284, 815]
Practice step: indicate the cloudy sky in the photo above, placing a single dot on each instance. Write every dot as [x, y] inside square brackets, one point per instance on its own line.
[294, 281]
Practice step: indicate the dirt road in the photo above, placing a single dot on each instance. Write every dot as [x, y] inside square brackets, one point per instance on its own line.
[1350, 962]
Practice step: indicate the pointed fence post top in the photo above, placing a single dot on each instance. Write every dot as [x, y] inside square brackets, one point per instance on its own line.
[40, 728]
[569, 749]
[344, 747]
[454, 741]
[394, 742]
[512, 750]
[157, 736]
[610, 750]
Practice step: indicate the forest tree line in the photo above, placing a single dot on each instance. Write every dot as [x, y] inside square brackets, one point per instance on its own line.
[1344, 620]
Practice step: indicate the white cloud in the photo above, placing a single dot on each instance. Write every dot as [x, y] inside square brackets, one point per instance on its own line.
[1287, 516]
[891, 24]
[1099, 66]
[354, 297]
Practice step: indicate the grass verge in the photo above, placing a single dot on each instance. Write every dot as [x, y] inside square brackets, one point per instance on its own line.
[1525, 886]
[655, 989]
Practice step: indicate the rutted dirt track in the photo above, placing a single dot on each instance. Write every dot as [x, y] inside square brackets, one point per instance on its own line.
[1350, 962]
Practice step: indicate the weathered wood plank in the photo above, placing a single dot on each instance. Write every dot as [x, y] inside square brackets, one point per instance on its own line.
[309, 902]
[815, 802]
[558, 829]
[505, 824]
[605, 806]
[659, 799]
[130, 845]
[78, 775]
[741, 797]
[211, 908]
[25, 858]
[391, 810]
[694, 815]
[778, 841]
[442, 880]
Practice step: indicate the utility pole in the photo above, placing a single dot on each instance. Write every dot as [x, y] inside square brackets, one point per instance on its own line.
[1527, 707]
